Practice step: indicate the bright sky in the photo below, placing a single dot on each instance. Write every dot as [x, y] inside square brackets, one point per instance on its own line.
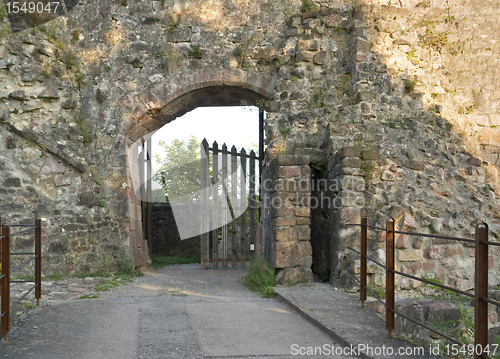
[237, 126]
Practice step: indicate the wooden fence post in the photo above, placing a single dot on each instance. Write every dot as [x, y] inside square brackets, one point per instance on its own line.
[234, 206]
[252, 203]
[389, 278]
[204, 242]
[215, 214]
[362, 289]
[481, 291]
[224, 205]
[243, 205]
[38, 260]
[5, 307]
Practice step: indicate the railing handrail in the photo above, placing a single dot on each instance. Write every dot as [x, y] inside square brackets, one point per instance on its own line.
[5, 281]
[480, 295]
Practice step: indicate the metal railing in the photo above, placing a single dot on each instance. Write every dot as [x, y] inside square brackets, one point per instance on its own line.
[5, 280]
[480, 295]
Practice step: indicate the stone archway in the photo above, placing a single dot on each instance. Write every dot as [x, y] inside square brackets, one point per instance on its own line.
[166, 102]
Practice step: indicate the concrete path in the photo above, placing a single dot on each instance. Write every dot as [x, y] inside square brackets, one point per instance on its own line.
[177, 312]
[339, 314]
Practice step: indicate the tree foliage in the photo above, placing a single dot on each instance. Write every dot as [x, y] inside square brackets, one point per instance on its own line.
[179, 174]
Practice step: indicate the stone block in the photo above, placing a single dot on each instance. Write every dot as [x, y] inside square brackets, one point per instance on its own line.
[52, 166]
[50, 93]
[349, 151]
[286, 184]
[305, 56]
[286, 234]
[489, 136]
[294, 275]
[429, 266]
[19, 95]
[12, 182]
[362, 45]
[32, 105]
[353, 162]
[302, 212]
[286, 255]
[304, 233]
[402, 241]
[292, 160]
[284, 221]
[348, 216]
[348, 183]
[281, 211]
[412, 255]
[315, 154]
[288, 172]
[308, 45]
[320, 58]
[62, 180]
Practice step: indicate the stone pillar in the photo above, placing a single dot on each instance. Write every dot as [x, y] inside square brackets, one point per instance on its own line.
[347, 184]
[288, 189]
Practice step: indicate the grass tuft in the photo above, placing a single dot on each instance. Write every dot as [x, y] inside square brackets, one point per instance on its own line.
[260, 277]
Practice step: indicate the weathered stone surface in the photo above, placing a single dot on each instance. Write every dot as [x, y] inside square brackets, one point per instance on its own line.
[19, 95]
[12, 182]
[411, 255]
[51, 165]
[50, 93]
[32, 105]
[286, 255]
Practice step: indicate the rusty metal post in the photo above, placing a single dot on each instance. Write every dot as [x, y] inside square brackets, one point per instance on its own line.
[389, 278]
[481, 291]
[5, 307]
[362, 289]
[38, 260]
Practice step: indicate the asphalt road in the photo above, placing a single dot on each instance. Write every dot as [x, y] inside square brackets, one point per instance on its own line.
[177, 312]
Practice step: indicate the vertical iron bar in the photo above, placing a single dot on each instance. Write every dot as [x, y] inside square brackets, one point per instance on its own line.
[149, 198]
[215, 215]
[234, 205]
[5, 307]
[389, 278]
[38, 260]
[362, 289]
[224, 205]
[243, 218]
[481, 291]
[252, 203]
[204, 238]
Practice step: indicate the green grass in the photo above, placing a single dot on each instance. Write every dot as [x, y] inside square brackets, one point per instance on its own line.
[107, 284]
[30, 305]
[410, 85]
[88, 296]
[308, 5]
[260, 277]
[195, 52]
[162, 261]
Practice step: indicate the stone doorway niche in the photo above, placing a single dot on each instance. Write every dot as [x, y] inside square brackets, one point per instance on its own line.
[320, 213]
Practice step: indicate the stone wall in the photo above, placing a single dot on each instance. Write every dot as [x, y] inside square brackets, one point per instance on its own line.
[166, 239]
[79, 91]
[288, 244]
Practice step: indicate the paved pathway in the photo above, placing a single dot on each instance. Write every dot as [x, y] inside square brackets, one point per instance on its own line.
[177, 312]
